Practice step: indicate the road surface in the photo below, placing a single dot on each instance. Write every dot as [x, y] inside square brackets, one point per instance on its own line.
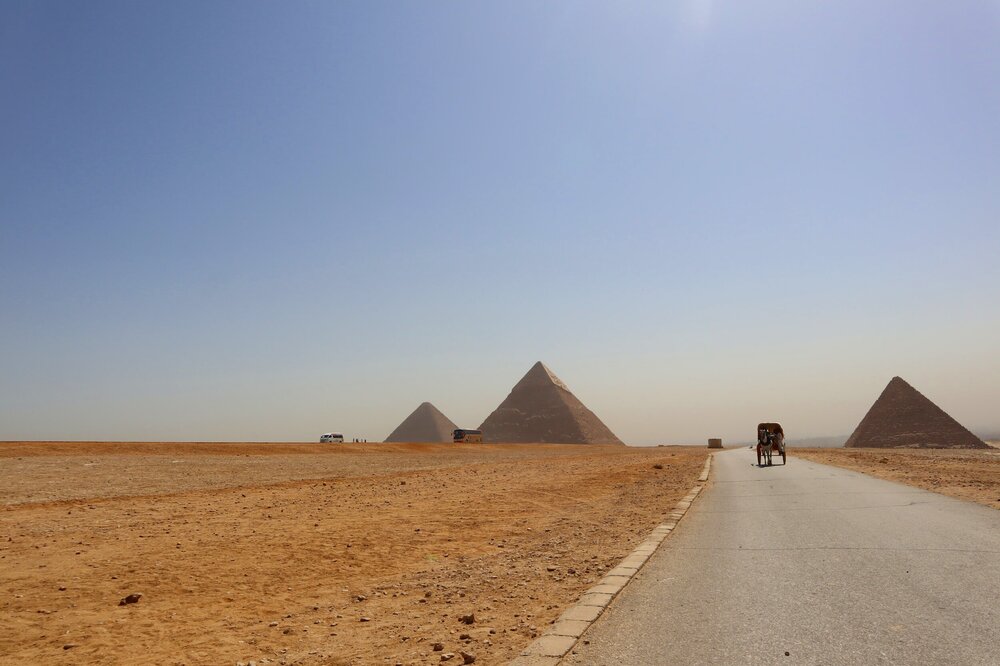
[811, 564]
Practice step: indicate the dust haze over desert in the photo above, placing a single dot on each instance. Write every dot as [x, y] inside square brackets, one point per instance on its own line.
[526, 259]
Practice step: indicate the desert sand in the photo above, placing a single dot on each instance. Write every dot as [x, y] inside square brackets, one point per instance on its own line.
[311, 554]
[972, 475]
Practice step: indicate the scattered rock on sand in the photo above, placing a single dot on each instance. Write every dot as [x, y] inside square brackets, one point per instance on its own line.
[467, 657]
[511, 585]
[447, 655]
[437, 647]
[131, 599]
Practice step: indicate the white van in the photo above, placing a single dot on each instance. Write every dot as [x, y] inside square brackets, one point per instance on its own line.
[331, 437]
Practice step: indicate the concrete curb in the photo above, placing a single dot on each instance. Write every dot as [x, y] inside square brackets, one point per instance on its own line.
[549, 648]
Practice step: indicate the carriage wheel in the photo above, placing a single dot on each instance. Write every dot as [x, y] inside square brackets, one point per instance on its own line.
[758, 457]
[783, 461]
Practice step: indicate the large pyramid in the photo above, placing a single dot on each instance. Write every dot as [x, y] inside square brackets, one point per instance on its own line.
[541, 409]
[425, 424]
[903, 417]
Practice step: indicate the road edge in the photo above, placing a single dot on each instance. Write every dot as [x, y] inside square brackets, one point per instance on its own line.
[550, 648]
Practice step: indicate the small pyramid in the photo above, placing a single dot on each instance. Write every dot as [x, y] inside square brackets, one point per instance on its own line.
[903, 417]
[425, 424]
[540, 408]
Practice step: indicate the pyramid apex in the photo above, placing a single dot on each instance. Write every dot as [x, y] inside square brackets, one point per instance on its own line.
[539, 367]
[541, 374]
[898, 384]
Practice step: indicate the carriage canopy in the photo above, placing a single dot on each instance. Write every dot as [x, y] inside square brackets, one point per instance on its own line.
[773, 428]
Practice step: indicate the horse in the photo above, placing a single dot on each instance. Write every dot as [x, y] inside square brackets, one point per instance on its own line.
[764, 445]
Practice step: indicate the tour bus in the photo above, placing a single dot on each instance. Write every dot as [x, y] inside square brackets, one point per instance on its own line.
[468, 436]
[332, 437]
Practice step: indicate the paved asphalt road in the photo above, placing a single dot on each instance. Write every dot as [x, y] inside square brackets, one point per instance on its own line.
[810, 564]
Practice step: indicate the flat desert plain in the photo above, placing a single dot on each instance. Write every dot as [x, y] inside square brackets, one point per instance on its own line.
[311, 554]
[968, 474]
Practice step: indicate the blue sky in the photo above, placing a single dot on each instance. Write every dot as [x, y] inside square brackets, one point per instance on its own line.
[269, 220]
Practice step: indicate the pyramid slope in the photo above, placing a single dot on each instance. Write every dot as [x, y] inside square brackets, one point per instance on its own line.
[541, 409]
[904, 417]
[425, 424]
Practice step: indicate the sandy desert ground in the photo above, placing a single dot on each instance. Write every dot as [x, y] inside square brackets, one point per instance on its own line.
[966, 474]
[311, 554]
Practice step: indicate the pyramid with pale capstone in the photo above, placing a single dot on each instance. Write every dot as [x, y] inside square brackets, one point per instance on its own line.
[903, 418]
[540, 408]
[425, 424]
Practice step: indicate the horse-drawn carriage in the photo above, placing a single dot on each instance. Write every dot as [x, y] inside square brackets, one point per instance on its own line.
[770, 436]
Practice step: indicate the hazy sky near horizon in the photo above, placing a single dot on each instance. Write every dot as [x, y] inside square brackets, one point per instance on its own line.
[264, 221]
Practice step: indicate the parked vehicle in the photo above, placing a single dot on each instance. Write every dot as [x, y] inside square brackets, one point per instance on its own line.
[331, 437]
[462, 436]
